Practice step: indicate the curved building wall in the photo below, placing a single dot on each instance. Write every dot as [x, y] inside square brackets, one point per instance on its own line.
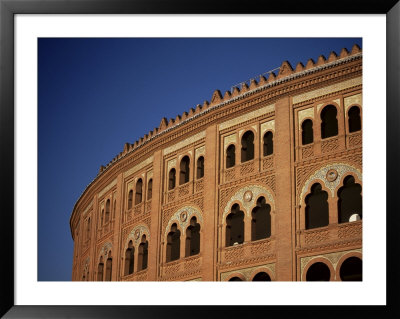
[180, 204]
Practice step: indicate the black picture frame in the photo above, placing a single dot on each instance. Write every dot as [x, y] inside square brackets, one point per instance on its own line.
[8, 10]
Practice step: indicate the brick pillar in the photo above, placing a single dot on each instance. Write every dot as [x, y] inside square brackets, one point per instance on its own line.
[283, 142]
[117, 238]
[341, 117]
[93, 240]
[155, 233]
[333, 209]
[247, 227]
[210, 215]
[317, 132]
[238, 153]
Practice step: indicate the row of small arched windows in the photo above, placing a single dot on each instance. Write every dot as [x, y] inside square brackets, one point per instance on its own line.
[105, 215]
[139, 192]
[261, 276]
[349, 204]
[329, 124]
[143, 252]
[350, 270]
[104, 275]
[184, 172]
[260, 223]
[192, 241]
[247, 148]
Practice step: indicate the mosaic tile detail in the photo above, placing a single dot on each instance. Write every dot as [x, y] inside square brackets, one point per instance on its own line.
[304, 114]
[105, 249]
[350, 100]
[333, 258]
[184, 223]
[136, 235]
[248, 205]
[268, 126]
[341, 169]
[171, 164]
[184, 143]
[200, 151]
[138, 167]
[327, 90]
[247, 272]
[108, 187]
[231, 139]
[247, 116]
[196, 279]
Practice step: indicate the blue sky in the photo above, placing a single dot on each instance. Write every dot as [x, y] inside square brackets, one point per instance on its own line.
[97, 94]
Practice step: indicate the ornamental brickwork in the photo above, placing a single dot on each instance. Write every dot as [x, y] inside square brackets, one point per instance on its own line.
[262, 183]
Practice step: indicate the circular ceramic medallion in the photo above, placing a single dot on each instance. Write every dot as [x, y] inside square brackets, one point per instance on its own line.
[183, 216]
[331, 175]
[137, 233]
[248, 195]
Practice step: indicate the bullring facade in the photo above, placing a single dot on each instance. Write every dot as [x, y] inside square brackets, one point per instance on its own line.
[262, 183]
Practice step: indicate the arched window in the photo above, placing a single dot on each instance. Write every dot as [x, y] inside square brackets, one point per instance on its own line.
[318, 272]
[150, 189]
[268, 147]
[307, 133]
[247, 146]
[350, 200]
[184, 170]
[235, 226]
[107, 217]
[192, 238]
[88, 229]
[114, 208]
[100, 269]
[171, 179]
[108, 267]
[130, 198]
[173, 244]
[235, 279]
[261, 220]
[351, 269]
[317, 210]
[143, 254]
[129, 259]
[354, 119]
[230, 156]
[138, 195]
[200, 167]
[329, 123]
[262, 276]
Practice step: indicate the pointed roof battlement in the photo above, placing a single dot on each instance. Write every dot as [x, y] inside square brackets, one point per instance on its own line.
[286, 72]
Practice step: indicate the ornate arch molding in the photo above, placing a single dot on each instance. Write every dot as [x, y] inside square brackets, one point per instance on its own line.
[340, 169]
[248, 196]
[136, 235]
[105, 249]
[182, 218]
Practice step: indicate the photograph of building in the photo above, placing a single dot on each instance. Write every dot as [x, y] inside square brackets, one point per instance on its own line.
[261, 183]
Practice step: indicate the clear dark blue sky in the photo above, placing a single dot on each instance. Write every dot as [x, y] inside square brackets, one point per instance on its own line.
[97, 94]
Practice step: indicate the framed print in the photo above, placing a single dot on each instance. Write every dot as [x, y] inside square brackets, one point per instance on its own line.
[308, 132]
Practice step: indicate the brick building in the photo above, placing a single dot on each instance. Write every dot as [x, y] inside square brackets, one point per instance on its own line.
[262, 183]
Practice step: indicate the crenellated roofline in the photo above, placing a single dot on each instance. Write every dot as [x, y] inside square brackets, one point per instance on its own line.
[286, 73]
